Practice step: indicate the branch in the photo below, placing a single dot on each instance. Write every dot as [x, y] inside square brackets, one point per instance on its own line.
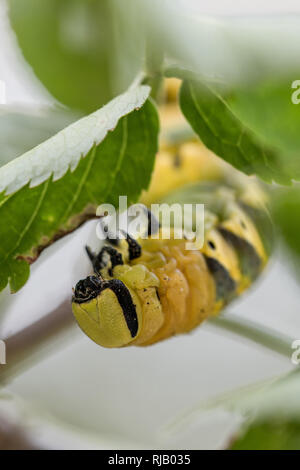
[15, 437]
[27, 346]
[257, 333]
[154, 57]
[31, 344]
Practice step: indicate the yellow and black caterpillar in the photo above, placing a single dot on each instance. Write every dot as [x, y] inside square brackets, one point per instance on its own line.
[147, 290]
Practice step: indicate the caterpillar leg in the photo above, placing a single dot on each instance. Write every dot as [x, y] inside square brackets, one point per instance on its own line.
[148, 290]
[110, 255]
[105, 305]
[107, 254]
[134, 248]
[153, 227]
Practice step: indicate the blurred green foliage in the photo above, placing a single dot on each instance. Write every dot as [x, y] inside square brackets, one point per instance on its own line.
[84, 51]
[32, 126]
[271, 434]
[266, 107]
[208, 107]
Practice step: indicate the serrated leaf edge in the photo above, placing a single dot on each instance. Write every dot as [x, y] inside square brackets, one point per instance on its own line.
[64, 150]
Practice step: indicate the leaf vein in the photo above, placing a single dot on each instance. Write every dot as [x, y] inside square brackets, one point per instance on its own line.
[120, 157]
[31, 220]
[80, 185]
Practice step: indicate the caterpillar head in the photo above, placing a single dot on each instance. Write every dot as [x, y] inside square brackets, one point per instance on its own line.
[106, 310]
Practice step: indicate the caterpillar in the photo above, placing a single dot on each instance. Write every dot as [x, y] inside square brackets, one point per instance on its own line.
[146, 290]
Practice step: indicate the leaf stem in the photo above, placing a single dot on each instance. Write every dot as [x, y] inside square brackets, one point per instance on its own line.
[154, 64]
[31, 344]
[257, 333]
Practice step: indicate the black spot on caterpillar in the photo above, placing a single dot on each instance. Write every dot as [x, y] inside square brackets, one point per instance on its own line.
[225, 285]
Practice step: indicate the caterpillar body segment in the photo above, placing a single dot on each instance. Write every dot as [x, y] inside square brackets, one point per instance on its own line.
[236, 216]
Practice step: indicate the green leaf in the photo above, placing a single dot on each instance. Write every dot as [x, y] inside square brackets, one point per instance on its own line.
[270, 435]
[267, 108]
[83, 51]
[23, 129]
[207, 108]
[52, 189]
